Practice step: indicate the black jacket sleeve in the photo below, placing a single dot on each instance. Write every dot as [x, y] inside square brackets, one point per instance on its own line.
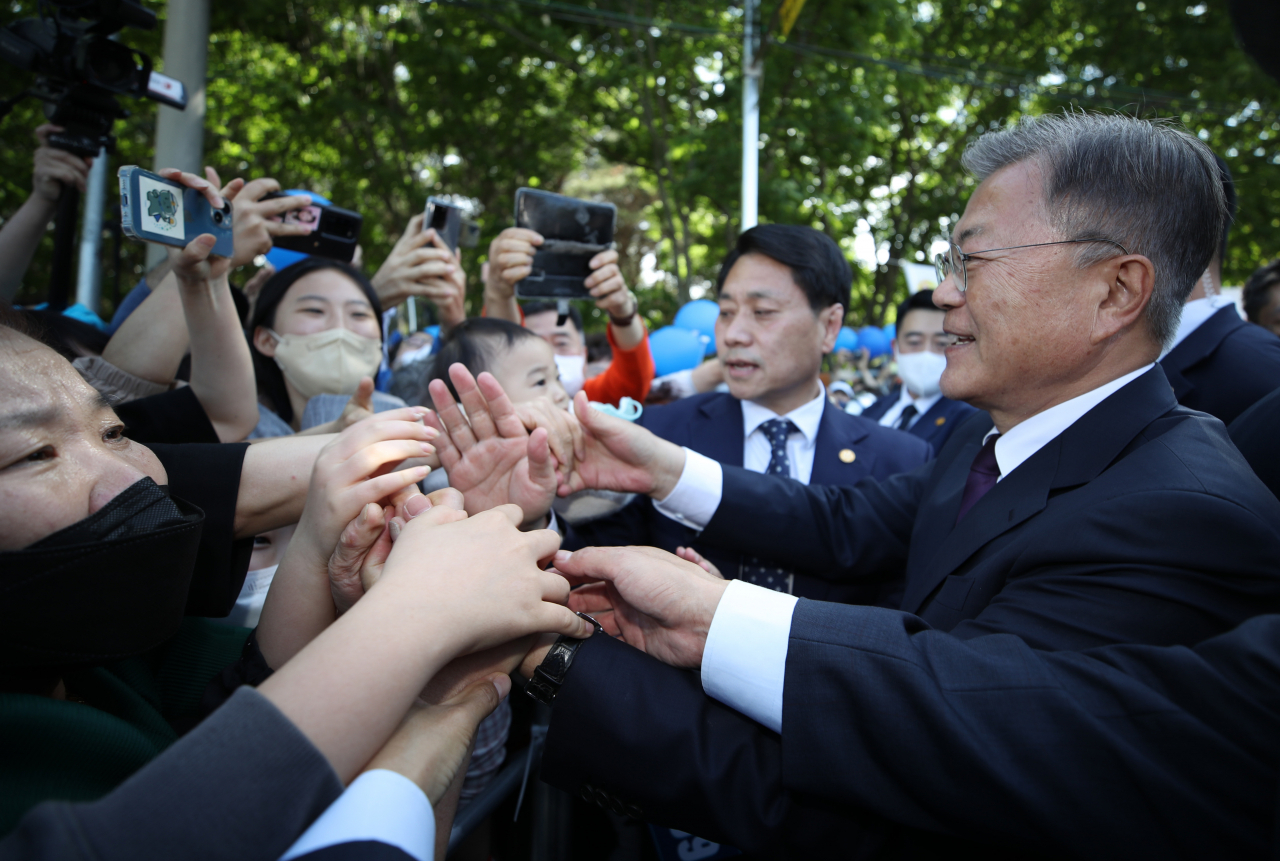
[169, 417]
[209, 476]
[244, 784]
[1116, 752]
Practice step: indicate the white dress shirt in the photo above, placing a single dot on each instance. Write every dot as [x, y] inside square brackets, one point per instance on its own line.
[923, 405]
[379, 805]
[745, 657]
[756, 453]
[1194, 313]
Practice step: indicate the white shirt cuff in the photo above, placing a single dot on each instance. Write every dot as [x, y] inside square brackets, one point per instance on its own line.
[379, 805]
[697, 494]
[744, 662]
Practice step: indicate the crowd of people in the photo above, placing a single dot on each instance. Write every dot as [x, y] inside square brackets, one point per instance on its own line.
[271, 570]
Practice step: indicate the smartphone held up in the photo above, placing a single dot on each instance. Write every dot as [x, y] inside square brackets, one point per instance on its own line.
[155, 209]
[333, 232]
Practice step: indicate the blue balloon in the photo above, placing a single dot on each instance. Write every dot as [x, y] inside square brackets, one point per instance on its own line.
[700, 316]
[279, 258]
[675, 349]
[876, 342]
[847, 339]
[890, 329]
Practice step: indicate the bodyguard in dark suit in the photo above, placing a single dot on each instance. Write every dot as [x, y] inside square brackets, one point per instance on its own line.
[1218, 363]
[918, 406]
[782, 291]
[1088, 509]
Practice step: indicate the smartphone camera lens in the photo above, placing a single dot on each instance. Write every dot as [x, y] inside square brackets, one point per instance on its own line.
[217, 216]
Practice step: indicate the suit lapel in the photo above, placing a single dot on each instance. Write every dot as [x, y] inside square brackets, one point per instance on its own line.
[835, 436]
[1197, 346]
[1075, 457]
[717, 430]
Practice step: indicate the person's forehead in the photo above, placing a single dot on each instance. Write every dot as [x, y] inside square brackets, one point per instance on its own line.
[37, 386]
[1009, 203]
[326, 285]
[925, 321]
[544, 323]
[755, 276]
[522, 356]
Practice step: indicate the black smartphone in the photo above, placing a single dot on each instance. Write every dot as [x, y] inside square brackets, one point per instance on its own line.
[155, 209]
[446, 219]
[573, 232]
[335, 231]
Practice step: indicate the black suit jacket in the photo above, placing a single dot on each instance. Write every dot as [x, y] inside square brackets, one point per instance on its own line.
[935, 426]
[1254, 433]
[711, 424]
[1224, 366]
[1140, 523]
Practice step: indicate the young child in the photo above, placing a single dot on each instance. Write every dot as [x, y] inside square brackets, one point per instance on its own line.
[521, 361]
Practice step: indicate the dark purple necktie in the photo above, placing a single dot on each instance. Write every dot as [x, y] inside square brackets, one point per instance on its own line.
[982, 476]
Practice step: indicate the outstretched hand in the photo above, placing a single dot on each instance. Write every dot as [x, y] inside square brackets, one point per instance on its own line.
[655, 601]
[620, 455]
[488, 453]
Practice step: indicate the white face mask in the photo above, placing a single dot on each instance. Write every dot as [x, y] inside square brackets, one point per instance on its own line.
[408, 357]
[327, 363]
[572, 372]
[922, 372]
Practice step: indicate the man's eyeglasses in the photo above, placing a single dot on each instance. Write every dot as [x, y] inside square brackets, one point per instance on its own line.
[955, 259]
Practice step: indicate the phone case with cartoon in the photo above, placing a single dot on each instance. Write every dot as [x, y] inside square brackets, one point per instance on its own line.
[573, 232]
[155, 209]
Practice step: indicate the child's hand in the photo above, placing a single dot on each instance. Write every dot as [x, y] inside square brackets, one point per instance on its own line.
[690, 555]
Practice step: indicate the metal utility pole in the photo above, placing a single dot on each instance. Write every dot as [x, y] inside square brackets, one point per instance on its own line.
[751, 73]
[89, 280]
[180, 134]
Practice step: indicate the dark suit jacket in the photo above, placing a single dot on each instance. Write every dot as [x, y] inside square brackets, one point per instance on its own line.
[711, 424]
[1255, 434]
[1225, 366]
[935, 426]
[1140, 523]
[1117, 752]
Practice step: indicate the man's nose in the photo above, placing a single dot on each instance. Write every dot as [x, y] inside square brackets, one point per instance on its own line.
[735, 329]
[947, 295]
[114, 475]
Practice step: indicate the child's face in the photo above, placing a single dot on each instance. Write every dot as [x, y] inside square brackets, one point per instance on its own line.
[528, 371]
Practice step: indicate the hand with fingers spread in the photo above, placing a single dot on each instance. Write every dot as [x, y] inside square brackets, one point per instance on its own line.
[420, 258]
[488, 454]
[654, 600]
[621, 455]
[365, 543]
[564, 434]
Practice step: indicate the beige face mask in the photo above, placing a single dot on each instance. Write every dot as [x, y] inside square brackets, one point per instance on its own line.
[327, 363]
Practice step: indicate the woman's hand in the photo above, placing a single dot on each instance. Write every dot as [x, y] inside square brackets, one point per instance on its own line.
[194, 265]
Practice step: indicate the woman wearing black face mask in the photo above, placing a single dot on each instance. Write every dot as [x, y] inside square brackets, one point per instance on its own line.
[96, 661]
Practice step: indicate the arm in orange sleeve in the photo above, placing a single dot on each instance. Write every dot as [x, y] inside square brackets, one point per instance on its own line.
[628, 376]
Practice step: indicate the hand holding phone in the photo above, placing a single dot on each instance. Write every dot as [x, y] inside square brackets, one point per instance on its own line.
[333, 231]
[573, 232]
[173, 208]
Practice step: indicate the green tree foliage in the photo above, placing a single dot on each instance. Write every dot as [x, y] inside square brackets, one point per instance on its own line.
[865, 109]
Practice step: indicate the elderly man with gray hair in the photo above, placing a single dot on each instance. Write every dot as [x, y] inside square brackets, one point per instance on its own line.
[1084, 508]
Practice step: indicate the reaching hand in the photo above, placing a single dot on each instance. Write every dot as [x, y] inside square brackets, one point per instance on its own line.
[488, 454]
[564, 433]
[433, 745]
[620, 455]
[416, 259]
[359, 407]
[479, 579]
[358, 468]
[690, 555]
[56, 168]
[365, 543]
[653, 600]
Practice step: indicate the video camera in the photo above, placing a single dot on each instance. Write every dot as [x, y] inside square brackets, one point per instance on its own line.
[80, 70]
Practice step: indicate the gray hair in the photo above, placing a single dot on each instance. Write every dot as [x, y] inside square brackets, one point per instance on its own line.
[1148, 185]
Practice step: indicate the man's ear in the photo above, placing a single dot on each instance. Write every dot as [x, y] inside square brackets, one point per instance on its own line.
[264, 342]
[830, 319]
[1130, 281]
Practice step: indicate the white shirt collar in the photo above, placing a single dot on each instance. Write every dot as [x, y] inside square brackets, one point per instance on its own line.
[1033, 434]
[922, 405]
[806, 417]
[1194, 313]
